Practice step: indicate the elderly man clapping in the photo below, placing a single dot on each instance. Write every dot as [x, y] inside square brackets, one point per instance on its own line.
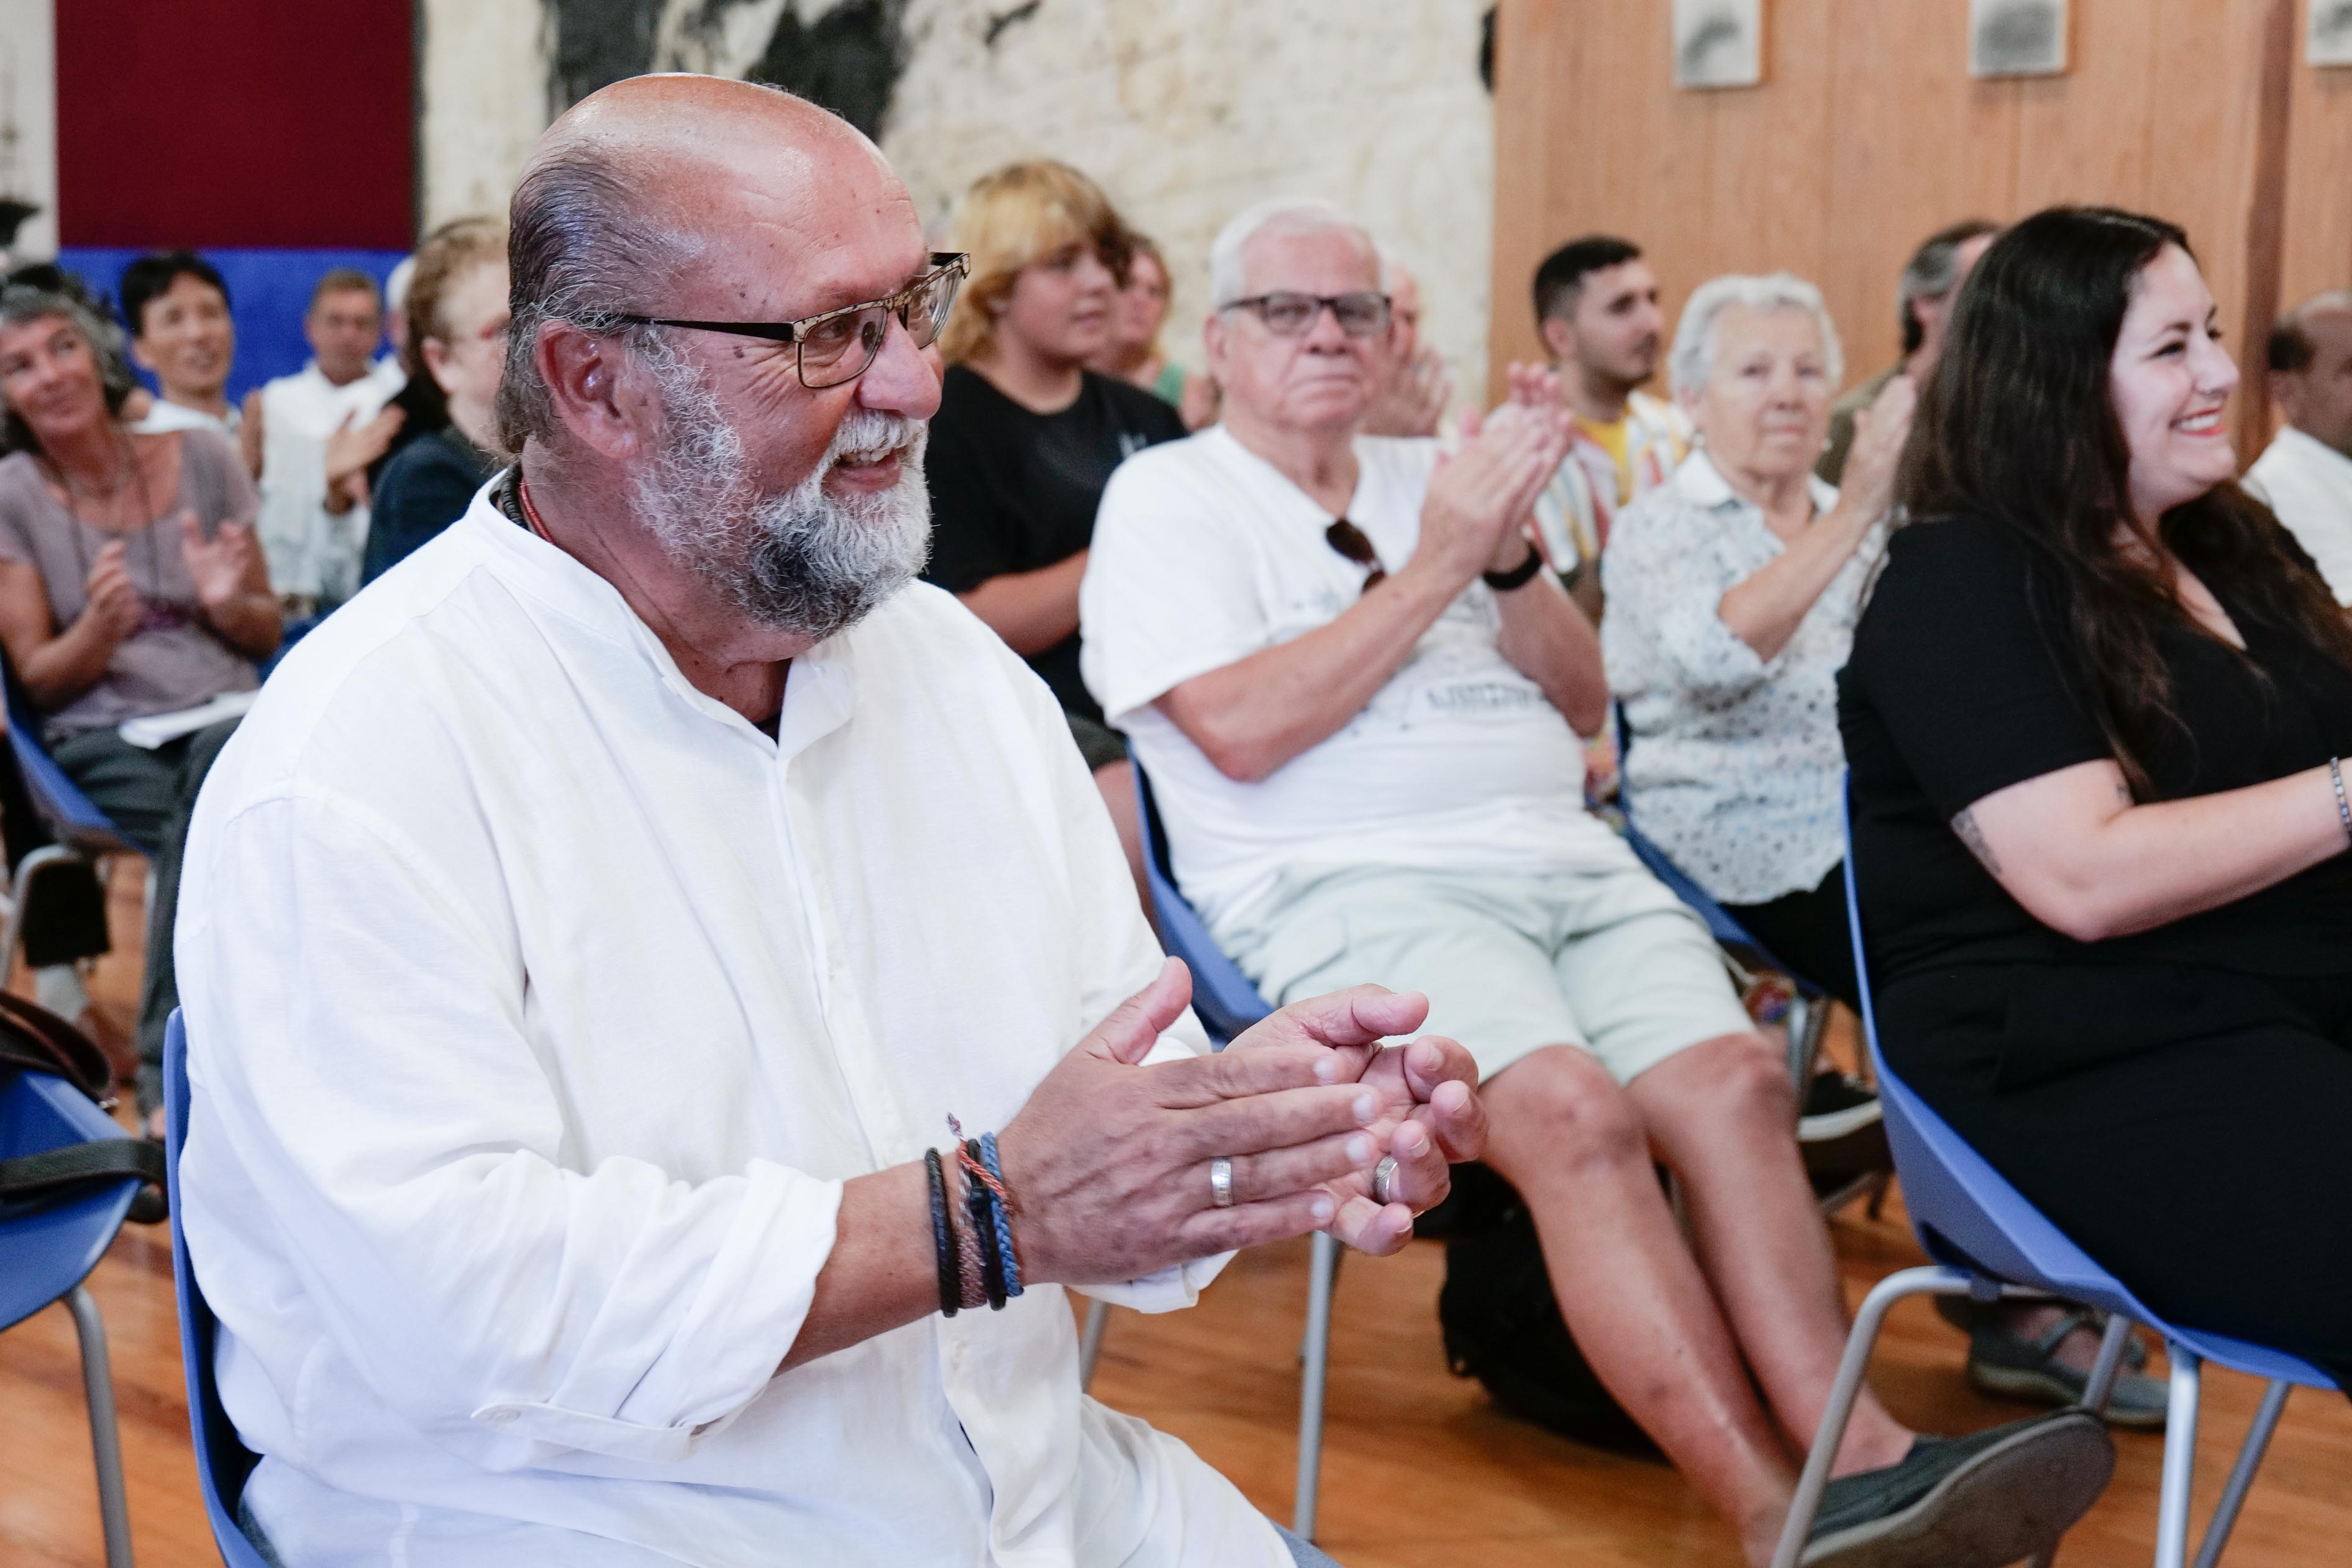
[596, 926]
[1358, 696]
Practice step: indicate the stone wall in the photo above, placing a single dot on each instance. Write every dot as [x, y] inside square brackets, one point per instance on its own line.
[1186, 111]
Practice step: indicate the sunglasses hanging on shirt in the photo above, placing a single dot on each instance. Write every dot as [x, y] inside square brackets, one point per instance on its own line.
[1349, 540]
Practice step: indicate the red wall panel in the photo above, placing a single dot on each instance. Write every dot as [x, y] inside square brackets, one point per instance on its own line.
[235, 123]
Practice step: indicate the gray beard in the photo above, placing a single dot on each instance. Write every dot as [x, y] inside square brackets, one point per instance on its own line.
[804, 561]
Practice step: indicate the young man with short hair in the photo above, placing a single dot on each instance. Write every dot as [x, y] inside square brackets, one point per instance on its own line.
[1597, 307]
[176, 306]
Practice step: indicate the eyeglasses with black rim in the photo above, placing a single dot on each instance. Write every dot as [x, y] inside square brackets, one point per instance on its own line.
[837, 346]
[1286, 314]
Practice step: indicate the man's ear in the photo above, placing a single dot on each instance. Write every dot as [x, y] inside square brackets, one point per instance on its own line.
[2286, 394]
[593, 387]
[1559, 339]
[1213, 341]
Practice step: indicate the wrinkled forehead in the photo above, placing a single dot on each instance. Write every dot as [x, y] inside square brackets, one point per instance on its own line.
[1317, 260]
[1787, 328]
[792, 235]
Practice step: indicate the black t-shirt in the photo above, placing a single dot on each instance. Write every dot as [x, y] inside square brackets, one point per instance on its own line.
[1016, 491]
[1961, 684]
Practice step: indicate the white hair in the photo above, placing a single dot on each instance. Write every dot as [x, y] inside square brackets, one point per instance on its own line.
[1692, 363]
[1286, 214]
[395, 286]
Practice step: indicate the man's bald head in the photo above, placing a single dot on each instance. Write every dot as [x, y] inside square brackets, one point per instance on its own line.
[642, 179]
[2311, 368]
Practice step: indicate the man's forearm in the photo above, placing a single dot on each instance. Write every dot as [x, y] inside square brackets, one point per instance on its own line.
[1254, 715]
[1548, 640]
[883, 1271]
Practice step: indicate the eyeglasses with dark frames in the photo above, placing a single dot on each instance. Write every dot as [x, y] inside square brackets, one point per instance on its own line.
[1350, 542]
[1286, 314]
[837, 346]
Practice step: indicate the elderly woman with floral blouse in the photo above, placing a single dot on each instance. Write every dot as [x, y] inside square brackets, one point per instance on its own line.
[1733, 591]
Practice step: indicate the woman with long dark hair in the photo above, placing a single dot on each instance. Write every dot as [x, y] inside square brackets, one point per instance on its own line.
[2094, 716]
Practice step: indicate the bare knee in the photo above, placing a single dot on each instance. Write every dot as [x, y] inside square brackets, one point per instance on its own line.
[1732, 1081]
[1560, 1110]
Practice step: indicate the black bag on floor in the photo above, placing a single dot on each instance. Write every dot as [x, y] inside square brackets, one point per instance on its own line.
[1503, 1327]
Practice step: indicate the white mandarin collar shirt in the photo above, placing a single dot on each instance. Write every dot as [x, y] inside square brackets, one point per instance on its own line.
[310, 549]
[2309, 484]
[1734, 767]
[539, 1005]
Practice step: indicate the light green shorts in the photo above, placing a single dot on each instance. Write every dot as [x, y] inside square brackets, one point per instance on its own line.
[1611, 963]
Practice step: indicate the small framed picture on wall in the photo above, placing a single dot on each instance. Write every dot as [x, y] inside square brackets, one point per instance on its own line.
[1718, 43]
[2017, 37]
[2329, 41]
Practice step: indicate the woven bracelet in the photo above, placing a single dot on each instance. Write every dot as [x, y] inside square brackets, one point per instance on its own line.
[942, 1234]
[981, 1202]
[1003, 1216]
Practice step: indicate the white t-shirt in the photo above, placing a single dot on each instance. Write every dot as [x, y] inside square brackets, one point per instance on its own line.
[1204, 554]
[2309, 484]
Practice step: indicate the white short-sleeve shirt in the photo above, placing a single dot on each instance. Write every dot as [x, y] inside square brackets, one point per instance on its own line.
[1204, 554]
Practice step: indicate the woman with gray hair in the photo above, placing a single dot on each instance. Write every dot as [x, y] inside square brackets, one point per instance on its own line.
[1733, 593]
[130, 586]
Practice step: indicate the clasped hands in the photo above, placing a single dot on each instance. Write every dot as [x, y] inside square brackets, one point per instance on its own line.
[1109, 1158]
[1482, 496]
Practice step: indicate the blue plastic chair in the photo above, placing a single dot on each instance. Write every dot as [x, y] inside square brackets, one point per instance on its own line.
[1227, 1003]
[47, 1252]
[83, 832]
[223, 1461]
[1987, 1241]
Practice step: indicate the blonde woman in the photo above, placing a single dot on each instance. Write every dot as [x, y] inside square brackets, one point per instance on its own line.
[1027, 436]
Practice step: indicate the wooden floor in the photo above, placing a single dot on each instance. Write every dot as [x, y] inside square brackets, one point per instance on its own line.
[1420, 1471]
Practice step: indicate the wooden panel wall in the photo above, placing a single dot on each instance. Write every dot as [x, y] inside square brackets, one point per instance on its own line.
[1868, 133]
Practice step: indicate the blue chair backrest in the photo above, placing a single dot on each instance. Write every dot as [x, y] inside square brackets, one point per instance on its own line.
[1967, 1216]
[1222, 996]
[1727, 931]
[71, 814]
[48, 1248]
[223, 1462]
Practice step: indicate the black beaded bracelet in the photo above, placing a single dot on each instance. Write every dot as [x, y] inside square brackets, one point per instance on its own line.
[981, 1202]
[1517, 577]
[942, 1236]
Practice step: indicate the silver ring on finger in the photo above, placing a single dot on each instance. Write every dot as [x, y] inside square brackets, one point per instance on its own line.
[1384, 1174]
[1221, 1181]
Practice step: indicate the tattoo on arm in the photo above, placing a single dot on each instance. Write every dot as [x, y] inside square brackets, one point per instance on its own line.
[1973, 837]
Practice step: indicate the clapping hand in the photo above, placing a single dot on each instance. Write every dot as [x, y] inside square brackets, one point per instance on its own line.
[1413, 400]
[222, 566]
[351, 449]
[1112, 1161]
[112, 602]
[1879, 432]
[1429, 1116]
[1481, 498]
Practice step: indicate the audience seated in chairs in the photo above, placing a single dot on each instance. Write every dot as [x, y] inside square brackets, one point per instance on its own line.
[456, 347]
[556, 1155]
[1026, 435]
[130, 585]
[1733, 593]
[1357, 693]
[2305, 473]
[2094, 714]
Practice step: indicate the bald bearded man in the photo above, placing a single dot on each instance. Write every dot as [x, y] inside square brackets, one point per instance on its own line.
[599, 921]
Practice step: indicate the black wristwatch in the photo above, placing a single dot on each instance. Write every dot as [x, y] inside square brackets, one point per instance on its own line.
[1519, 576]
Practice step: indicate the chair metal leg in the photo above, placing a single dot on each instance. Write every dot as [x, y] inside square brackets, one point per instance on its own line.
[1090, 1343]
[1921, 1282]
[106, 1444]
[2109, 1362]
[1323, 1273]
[1807, 1019]
[2242, 1474]
[2180, 1459]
